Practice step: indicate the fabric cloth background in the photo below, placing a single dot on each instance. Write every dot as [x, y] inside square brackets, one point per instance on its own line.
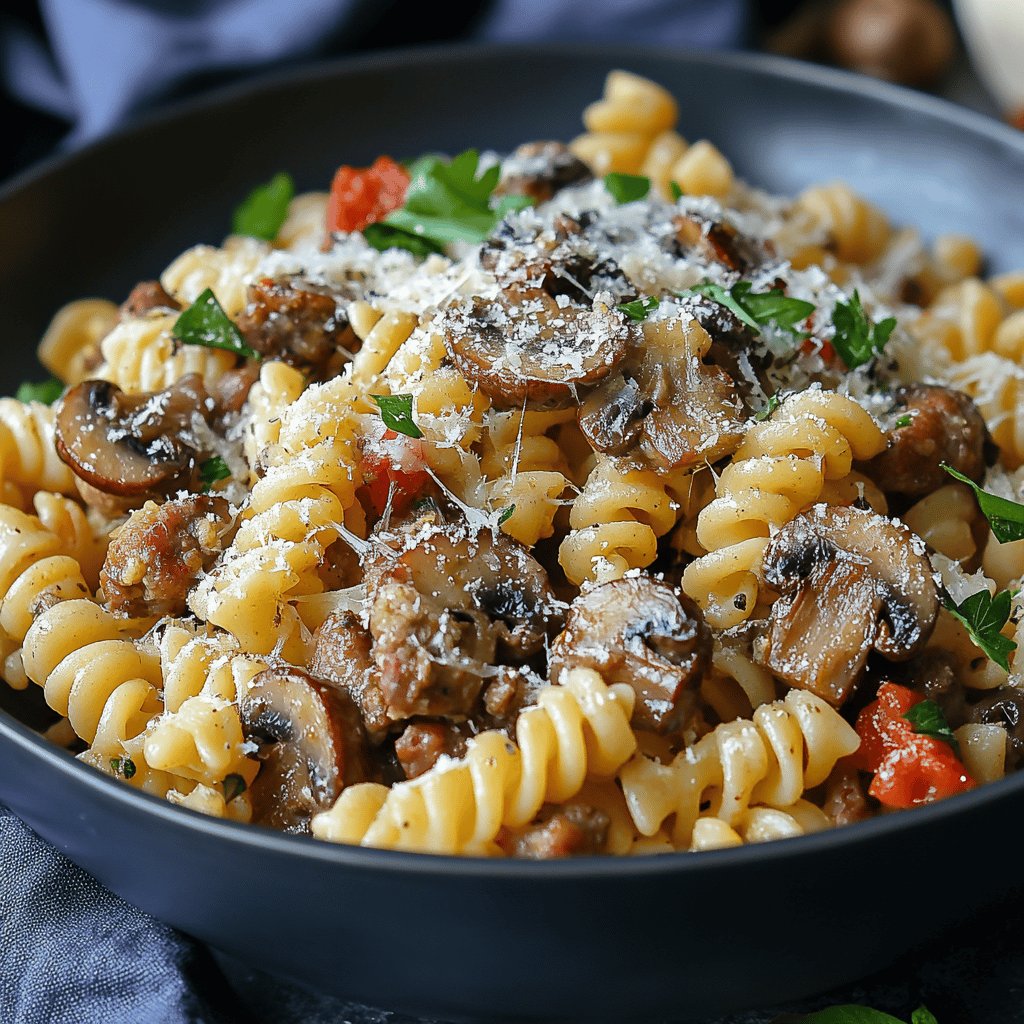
[70, 951]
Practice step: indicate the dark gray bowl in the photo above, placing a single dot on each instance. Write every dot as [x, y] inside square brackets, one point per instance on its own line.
[594, 939]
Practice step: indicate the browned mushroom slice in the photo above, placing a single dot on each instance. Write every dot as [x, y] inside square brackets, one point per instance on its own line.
[850, 582]
[944, 426]
[540, 169]
[130, 445]
[311, 745]
[295, 321]
[145, 296]
[447, 610]
[717, 242]
[643, 633]
[156, 557]
[679, 413]
[525, 346]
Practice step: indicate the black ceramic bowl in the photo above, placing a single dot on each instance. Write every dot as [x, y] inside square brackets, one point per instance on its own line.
[671, 936]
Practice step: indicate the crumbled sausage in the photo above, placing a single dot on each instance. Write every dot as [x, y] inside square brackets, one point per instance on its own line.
[573, 830]
[422, 743]
[845, 800]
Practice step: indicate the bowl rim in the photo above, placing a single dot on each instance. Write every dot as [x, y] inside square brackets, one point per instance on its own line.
[132, 800]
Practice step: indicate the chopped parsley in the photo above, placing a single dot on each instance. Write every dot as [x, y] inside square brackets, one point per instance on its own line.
[446, 202]
[851, 1014]
[506, 515]
[234, 786]
[627, 188]
[904, 421]
[922, 1015]
[205, 323]
[212, 470]
[984, 616]
[857, 339]
[639, 308]
[770, 406]
[46, 391]
[1006, 517]
[756, 309]
[677, 192]
[928, 719]
[123, 766]
[396, 412]
[265, 208]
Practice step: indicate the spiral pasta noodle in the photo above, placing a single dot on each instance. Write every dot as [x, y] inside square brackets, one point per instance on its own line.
[28, 455]
[857, 231]
[997, 387]
[278, 387]
[574, 731]
[226, 270]
[70, 348]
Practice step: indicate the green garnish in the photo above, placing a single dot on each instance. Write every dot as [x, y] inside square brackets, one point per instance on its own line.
[396, 412]
[756, 309]
[857, 339]
[234, 785]
[46, 391]
[922, 1015]
[984, 616]
[124, 766]
[677, 192]
[205, 323]
[639, 308]
[627, 188]
[773, 403]
[850, 1014]
[1006, 517]
[212, 470]
[445, 202]
[506, 515]
[904, 421]
[928, 719]
[264, 209]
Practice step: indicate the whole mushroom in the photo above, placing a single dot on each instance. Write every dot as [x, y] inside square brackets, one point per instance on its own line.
[850, 582]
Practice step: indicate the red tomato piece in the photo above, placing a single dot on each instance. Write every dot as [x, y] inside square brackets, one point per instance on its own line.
[365, 195]
[394, 465]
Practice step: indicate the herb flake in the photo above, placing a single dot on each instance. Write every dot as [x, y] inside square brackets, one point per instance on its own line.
[234, 786]
[1005, 517]
[205, 323]
[45, 391]
[757, 309]
[212, 470]
[123, 766]
[857, 339]
[677, 192]
[396, 412]
[263, 211]
[904, 421]
[928, 719]
[770, 406]
[506, 515]
[638, 309]
[984, 616]
[626, 188]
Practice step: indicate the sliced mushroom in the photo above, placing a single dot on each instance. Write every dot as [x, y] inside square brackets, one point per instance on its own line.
[850, 582]
[295, 321]
[132, 446]
[526, 346]
[716, 242]
[540, 169]
[945, 426]
[156, 557]
[644, 633]
[311, 745]
[450, 610]
[146, 296]
[678, 412]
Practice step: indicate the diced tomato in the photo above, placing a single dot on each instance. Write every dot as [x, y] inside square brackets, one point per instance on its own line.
[910, 768]
[393, 465]
[824, 349]
[365, 195]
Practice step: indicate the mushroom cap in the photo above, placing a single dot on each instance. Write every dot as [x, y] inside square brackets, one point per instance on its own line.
[850, 581]
[644, 633]
[312, 745]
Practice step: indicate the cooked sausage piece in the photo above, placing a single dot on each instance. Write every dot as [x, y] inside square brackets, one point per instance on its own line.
[945, 426]
[573, 830]
[158, 554]
[422, 743]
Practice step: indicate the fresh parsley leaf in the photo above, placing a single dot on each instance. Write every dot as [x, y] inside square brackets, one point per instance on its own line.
[984, 616]
[265, 208]
[773, 403]
[677, 192]
[212, 470]
[755, 309]
[928, 720]
[447, 202]
[46, 391]
[506, 514]
[383, 237]
[627, 188]
[922, 1015]
[205, 323]
[234, 785]
[639, 308]
[718, 294]
[904, 421]
[124, 766]
[396, 412]
[1006, 517]
[850, 1014]
[857, 339]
